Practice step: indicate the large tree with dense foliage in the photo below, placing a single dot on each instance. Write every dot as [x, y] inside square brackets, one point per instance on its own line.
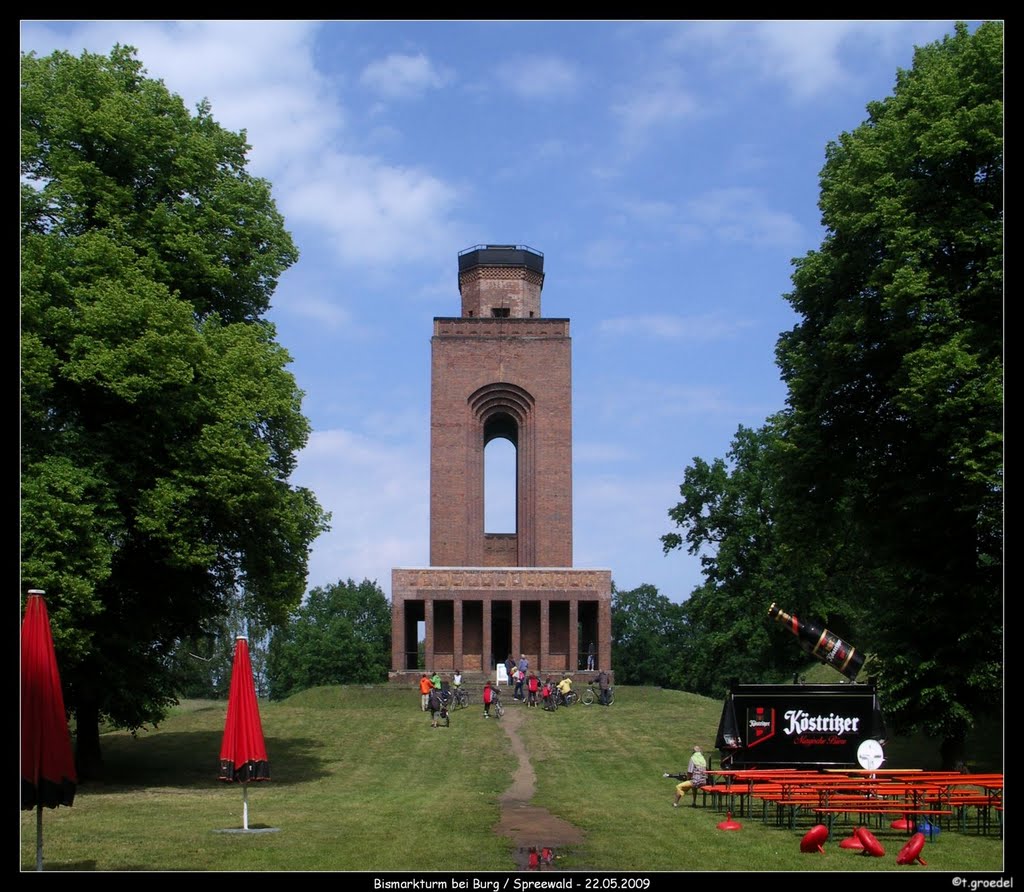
[159, 423]
[895, 375]
[889, 465]
[340, 635]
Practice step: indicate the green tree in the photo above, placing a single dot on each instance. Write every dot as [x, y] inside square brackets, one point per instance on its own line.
[340, 635]
[734, 517]
[727, 513]
[895, 377]
[159, 422]
[874, 500]
[648, 638]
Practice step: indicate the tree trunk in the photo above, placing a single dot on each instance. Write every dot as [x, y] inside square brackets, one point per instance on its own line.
[88, 757]
[953, 752]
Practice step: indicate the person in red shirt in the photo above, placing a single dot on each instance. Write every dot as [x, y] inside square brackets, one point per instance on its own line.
[545, 693]
[532, 685]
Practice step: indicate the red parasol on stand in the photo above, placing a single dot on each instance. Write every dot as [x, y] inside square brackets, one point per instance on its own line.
[47, 765]
[243, 754]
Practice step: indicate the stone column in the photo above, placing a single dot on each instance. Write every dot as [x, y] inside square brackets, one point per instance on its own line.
[428, 636]
[604, 636]
[517, 625]
[457, 632]
[398, 658]
[488, 655]
[545, 633]
[574, 644]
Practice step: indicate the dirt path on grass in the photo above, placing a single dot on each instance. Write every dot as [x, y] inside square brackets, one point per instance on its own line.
[529, 825]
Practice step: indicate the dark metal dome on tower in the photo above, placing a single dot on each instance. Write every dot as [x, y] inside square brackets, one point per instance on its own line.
[501, 255]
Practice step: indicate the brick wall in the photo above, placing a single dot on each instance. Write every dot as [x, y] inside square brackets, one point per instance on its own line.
[525, 367]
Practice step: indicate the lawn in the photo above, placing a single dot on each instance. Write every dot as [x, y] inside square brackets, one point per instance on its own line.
[362, 783]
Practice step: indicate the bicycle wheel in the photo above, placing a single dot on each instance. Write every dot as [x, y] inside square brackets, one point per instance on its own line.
[461, 699]
[499, 710]
[588, 697]
[571, 698]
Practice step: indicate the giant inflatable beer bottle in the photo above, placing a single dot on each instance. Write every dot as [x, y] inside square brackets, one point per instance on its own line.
[821, 643]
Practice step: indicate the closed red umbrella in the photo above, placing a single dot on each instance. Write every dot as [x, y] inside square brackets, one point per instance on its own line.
[47, 764]
[243, 754]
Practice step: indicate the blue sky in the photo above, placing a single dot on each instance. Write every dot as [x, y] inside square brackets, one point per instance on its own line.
[668, 171]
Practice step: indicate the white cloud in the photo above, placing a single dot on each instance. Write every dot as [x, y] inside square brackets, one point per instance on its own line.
[810, 58]
[607, 253]
[325, 313]
[378, 496]
[707, 327]
[655, 211]
[586, 452]
[258, 76]
[738, 214]
[400, 76]
[804, 55]
[610, 508]
[261, 77]
[642, 402]
[371, 211]
[651, 107]
[540, 77]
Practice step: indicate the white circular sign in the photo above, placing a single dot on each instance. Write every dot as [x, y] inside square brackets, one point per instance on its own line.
[870, 754]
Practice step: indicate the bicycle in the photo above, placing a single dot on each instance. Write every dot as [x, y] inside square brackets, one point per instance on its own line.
[460, 699]
[592, 695]
[566, 699]
[496, 706]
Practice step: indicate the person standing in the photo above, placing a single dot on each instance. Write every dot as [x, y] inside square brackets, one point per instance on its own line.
[590, 657]
[532, 686]
[696, 777]
[524, 664]
[488, 696]
[425, 688]
[435, 681]
[545, 693]
[604, 682]
[457, 679]
[510, 664]
[434, 705]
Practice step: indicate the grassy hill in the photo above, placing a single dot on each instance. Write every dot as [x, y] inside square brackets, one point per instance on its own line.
[362, 783]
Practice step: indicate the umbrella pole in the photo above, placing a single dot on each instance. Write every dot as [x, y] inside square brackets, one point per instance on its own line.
[245, 806]
[39, 836]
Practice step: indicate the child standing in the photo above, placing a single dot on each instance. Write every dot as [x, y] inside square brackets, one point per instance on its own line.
[434, 705]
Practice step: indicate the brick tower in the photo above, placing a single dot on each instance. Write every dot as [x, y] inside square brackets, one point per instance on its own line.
[501, 370]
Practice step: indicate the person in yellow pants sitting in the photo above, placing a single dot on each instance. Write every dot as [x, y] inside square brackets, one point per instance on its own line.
[696, 777]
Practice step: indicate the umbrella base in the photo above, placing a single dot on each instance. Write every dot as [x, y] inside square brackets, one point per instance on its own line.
[249, 830]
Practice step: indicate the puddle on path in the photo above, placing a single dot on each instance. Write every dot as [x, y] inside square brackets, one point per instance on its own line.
[530, 826]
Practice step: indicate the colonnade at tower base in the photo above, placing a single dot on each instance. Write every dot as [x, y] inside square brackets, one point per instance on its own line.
[475, 617]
